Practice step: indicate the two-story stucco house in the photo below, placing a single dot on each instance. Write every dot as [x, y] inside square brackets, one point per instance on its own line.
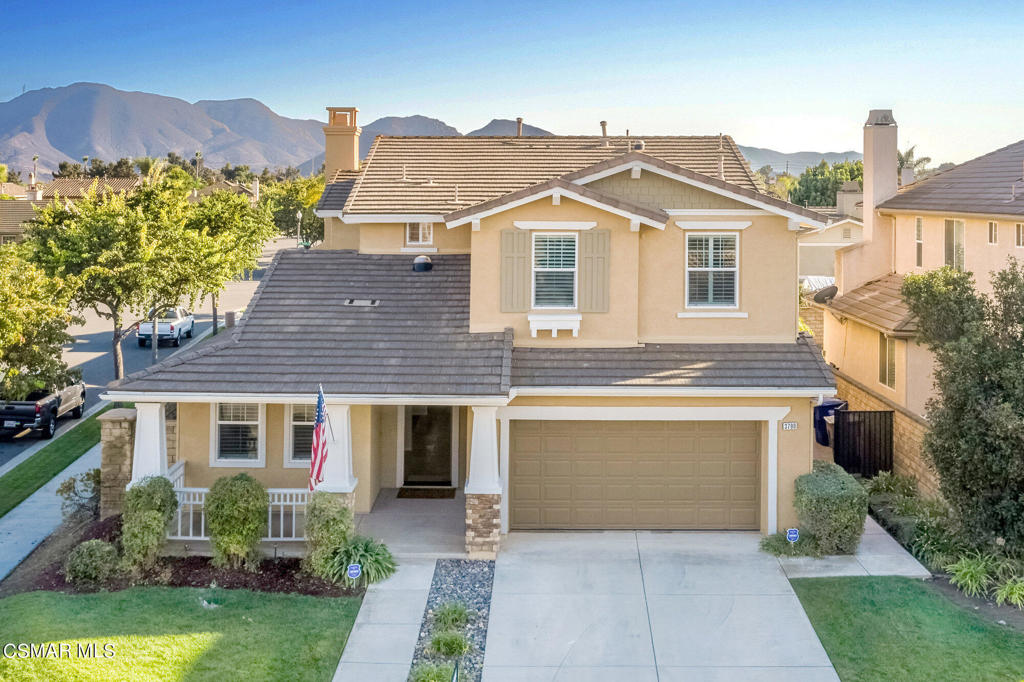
[607, 338]
[970, 217]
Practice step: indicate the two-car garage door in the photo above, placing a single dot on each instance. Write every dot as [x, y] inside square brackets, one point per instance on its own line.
[634, 474]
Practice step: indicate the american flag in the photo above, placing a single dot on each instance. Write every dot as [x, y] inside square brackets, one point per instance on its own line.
[319, 455]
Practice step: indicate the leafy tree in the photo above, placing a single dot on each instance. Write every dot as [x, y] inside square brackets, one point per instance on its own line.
[976, 434]
[68, 169]
[818, 185]
[3, 173]
[33, 327]
[907, 159]
[286, 199]
[240, 174]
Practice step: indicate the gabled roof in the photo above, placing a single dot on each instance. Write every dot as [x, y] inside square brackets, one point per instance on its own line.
[75, 188]
[14, 213]
[879, 304]
[989, 185]
[644, 214]
[13, 189]
[418, 175]
[337, 190]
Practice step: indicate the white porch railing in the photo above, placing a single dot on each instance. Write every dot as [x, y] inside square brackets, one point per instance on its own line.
[176, 474]
[286, 515]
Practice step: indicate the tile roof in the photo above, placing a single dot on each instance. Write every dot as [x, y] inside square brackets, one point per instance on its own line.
[75, 188]
[337, 190]
[14, 213]
[299, 334]
[13, 189]
[729, 365]
[992, 184]
[419, 174]
[879, 304]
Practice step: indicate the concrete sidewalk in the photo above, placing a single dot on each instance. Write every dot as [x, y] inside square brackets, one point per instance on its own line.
[32, 521]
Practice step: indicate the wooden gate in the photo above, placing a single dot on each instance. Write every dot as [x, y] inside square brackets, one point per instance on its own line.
[863, 441]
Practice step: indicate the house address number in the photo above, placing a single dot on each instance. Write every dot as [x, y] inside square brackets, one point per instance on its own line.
[789, 426]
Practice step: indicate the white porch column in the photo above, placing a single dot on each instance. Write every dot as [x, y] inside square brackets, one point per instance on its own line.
[338, 474]
[149, 456]
[772, 522]
[483, 453]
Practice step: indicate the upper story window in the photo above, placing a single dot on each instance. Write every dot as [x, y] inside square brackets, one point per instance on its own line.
[993, 232]
[238, 434]
[1020, 235]
[886, 360]
[712, 264]
[955, 244]
[554, 270]
[919, 240]
[299, 435]
[419, 234]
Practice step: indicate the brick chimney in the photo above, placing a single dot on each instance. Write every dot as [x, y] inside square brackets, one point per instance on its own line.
[880, 164]
[342, 140]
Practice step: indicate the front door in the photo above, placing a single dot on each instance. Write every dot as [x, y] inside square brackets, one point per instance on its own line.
[428, 454]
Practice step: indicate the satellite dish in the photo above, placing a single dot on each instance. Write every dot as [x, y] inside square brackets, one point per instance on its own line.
[825, 295]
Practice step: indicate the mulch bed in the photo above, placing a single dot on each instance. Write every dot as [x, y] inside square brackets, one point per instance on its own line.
[274, 575]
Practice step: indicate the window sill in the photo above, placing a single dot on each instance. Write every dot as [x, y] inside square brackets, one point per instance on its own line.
[554, 322]
[711, 314]
[238, 463]
[295, 464]
[419, 249]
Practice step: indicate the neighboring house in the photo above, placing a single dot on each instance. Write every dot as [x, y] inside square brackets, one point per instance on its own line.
[75, 188]
[969, 217]
[252, 194]
[607, 339]
[12, 189]
[818, 248]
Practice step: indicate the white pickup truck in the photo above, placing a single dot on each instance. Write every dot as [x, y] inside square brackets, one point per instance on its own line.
[172, 325]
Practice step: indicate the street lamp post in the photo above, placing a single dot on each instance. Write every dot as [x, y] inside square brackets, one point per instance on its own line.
[298, 218]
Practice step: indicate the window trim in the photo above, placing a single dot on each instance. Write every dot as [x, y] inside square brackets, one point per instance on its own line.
[575, 271]
[1019, 235]
[993, 231]
[889, 344]
[963, 245]
[289, 439]
[686, 272]
[261, 442]
[919, 241]
[421, 242]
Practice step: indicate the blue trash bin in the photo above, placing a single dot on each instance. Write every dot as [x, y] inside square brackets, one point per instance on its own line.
[826, 409]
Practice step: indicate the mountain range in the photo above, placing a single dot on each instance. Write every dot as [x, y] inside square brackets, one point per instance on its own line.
[95, 120]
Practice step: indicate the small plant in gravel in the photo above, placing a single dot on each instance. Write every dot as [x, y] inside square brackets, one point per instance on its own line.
[778, 545]
[91, 563]
[373, 556]
[328, 529]
[450, 644]
[973, 573]
[451, 615]
[432, 672]
[236, 514]
[1011, 592]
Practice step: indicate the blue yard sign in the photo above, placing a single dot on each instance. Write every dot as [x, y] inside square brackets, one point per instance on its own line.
[793, 534]
[354, 571]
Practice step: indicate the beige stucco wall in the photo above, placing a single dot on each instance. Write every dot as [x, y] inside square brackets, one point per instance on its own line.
[817, 260]
[390, 237]
[853, 347]
[652, 189]
[794, 447]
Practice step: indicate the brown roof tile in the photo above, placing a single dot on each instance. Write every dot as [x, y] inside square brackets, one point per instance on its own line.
[14, 213]
[75, 188]
[879, 304]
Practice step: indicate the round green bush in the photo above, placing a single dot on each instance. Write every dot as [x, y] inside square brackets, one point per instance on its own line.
[373, 556]
[153, 493]
[329, 527]
[91, 563]
[831, 505]
[236, 516]
[450, 644]
[142, 537]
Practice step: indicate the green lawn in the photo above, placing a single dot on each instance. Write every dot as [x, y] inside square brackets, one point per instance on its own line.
[903, 629]
[40, 468]
[163, 633]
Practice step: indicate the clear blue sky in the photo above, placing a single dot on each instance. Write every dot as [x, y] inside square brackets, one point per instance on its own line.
[791, 76]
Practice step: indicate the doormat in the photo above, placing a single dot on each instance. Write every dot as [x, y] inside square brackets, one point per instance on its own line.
[426, 493]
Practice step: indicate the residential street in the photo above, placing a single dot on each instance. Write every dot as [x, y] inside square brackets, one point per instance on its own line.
[92, 350]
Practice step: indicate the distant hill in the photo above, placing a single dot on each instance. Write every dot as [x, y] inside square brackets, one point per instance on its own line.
[796, 162]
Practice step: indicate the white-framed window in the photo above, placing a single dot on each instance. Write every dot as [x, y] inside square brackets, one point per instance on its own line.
[1020, 235]
[8, 239]
[238, 434]
[919, 240]
[554, 264]
[955, 243]
[993, 232]
[886, 360]
[419, 234]
[712, 270]
[298, 435]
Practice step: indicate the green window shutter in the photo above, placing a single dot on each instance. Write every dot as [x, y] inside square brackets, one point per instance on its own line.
[515, 271]
[595, 246]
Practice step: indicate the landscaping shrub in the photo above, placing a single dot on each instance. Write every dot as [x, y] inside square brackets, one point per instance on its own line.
[888, 482]
[153, 493]
[329, 527]
[937, 542]
[831, 505]
[973, 573]
[91, 563]
[432, 672]
[143, 534]
[374, 557]
[1011, 592]
[80, 493]
[778, 545]
[451, 615]
[236, 516]
[450, 644]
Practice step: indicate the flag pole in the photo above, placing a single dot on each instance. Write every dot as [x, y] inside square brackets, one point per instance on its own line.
[327, 415]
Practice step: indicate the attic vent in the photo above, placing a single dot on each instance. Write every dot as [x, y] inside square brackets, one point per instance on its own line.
[639, 145]
[362, 302]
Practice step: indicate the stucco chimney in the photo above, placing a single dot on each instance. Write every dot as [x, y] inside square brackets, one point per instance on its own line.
[604, 128]
[34, 191]
[879, 164]
[906, 176]
[519, 126]
[256, 189]
[341, 134]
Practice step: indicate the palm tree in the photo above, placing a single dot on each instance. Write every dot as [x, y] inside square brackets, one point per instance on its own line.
[907, 160]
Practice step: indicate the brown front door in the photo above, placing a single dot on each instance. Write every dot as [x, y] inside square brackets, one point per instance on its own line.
[428, 459]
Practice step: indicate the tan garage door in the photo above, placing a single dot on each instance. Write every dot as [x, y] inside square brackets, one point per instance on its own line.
[620, 474]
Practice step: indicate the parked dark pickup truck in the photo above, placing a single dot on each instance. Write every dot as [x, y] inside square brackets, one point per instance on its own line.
[40, 410]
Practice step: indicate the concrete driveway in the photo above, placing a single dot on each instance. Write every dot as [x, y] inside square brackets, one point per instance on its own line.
[643, 606]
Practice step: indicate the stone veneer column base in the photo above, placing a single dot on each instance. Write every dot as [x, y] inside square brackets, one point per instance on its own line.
[483, 525]
[348, 499]
[117, 443]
